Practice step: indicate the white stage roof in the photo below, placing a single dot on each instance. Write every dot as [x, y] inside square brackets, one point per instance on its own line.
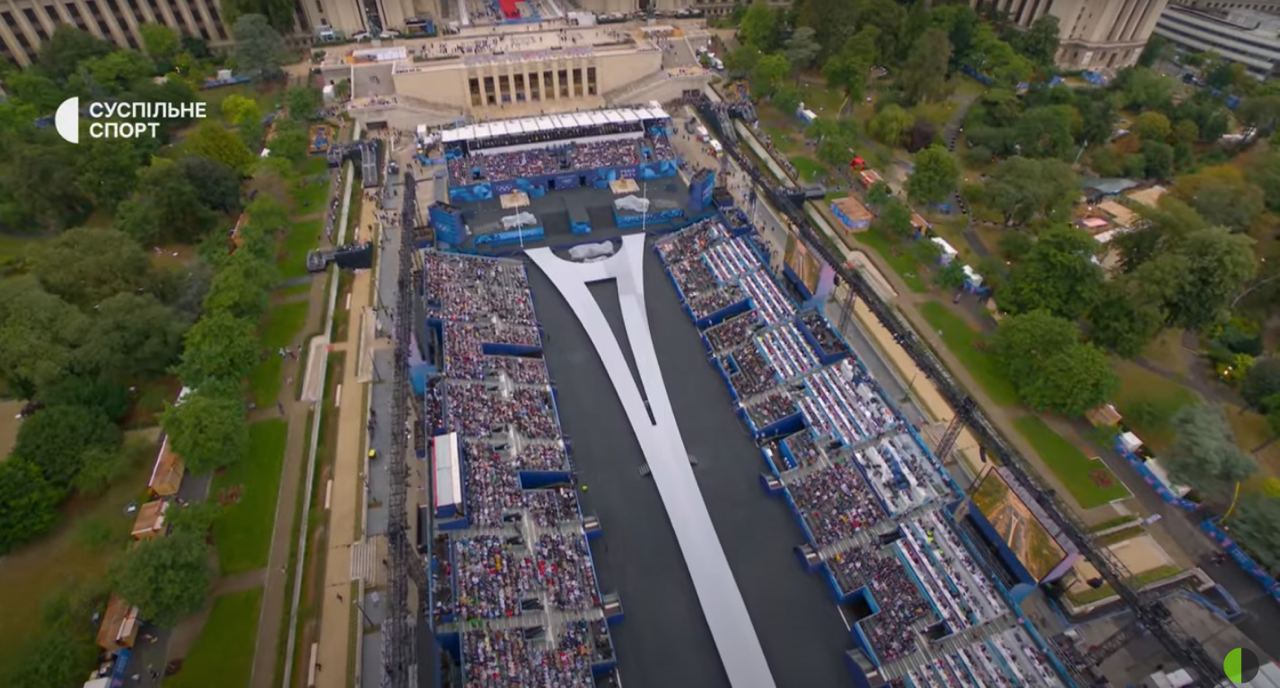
[487, 130]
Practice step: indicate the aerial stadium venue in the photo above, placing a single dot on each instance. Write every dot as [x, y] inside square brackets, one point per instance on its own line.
[655, 461]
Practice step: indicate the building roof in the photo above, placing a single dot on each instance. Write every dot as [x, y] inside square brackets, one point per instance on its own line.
[1103, 415]
[1123, 216]
[852, 208]
[1148, 196]
[119, 624]
[1109, 186]
[166, 475]
[150, 520]
[551, 123]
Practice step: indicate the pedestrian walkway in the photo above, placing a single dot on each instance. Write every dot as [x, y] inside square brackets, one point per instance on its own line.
[347, 557]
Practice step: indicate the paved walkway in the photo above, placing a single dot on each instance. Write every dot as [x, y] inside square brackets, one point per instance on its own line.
[346, 486]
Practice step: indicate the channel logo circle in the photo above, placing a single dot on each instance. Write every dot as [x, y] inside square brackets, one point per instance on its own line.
[1240, 665]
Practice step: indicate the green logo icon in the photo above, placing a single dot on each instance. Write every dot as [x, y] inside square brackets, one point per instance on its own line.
[1240, 665]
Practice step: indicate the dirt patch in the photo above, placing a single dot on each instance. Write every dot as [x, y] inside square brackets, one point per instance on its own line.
[9, 424]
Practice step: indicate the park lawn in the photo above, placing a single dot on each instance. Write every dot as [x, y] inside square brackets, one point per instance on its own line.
[310, 198]
[1166, 351]
[33, 574]
[242, 532]
[897, 257]
[1148, 402]
[282, 323]
[278, 328]
[1088, 480]
[968, 345]
[223, 653]
[808, 168]
[301, 238]
[313, 165]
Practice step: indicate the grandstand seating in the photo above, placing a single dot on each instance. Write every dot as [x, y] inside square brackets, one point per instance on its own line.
[871, 498]
[517, 555]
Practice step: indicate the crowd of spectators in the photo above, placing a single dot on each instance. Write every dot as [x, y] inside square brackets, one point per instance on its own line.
[827, 339]
[835, 503]
[770, 408]
[564, 570]
[481, 410]
[514, 659]
[462, 288]
[707, 303]
[732, 332]
[754, 374]
[493, 493]
[852, 466]
[504, 409]
[558, 158]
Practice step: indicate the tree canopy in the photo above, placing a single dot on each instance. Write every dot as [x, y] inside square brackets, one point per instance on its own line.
[87, 265]
[56, 439]
[1204, 453]
[208, 427]
[28, 504]
[1222, 195]
[934, 177]
[167, 578]
[1057, 275]
[259, 49]
[219, 346]
[1048, 365]
[1022, 189]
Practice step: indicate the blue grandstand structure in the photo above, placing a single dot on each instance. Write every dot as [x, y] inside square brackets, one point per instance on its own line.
[514, 596]
[876, 509]
[537, 155]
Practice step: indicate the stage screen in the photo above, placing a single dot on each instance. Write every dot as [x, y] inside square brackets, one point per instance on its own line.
[806, 266]
[1017, 526]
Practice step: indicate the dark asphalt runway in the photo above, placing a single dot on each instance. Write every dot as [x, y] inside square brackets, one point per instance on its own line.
[664, 640]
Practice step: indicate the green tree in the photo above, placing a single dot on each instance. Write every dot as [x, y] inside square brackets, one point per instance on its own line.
[889, 125]
[217, 186]
[1198, 276]
[107, 171]
[1261, 111]
[1222, 195]
[801, 49]
[1204, 453]
[759, 27]
[39, 186]
[1265, 172]
[1154, 51]
[220, 145]
[924, 75]
[1057, 275]
[1046, 131]
[167, 578]
[57, 438]
[258, 49]
[1022, 189]
[62, 54]
[1124, 318]
[218, 346]
[37, 89]
[101, 468]
[1158, 160]
[132, 335]
[1261, 382]
[240, 110]
[39, 333]
[116, 71]
[894, 220]
[28, 504]
[1048, 366]
[934, 177]
[56, 657]
[290, 142]
[1145, 89]
[739, 61]
[769, 72]
[303, 102]
[161, 42]
[85, 266]
[1039, 43]
[1257, 527]
[241, 287]
[1152, 126]
[207, 428]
